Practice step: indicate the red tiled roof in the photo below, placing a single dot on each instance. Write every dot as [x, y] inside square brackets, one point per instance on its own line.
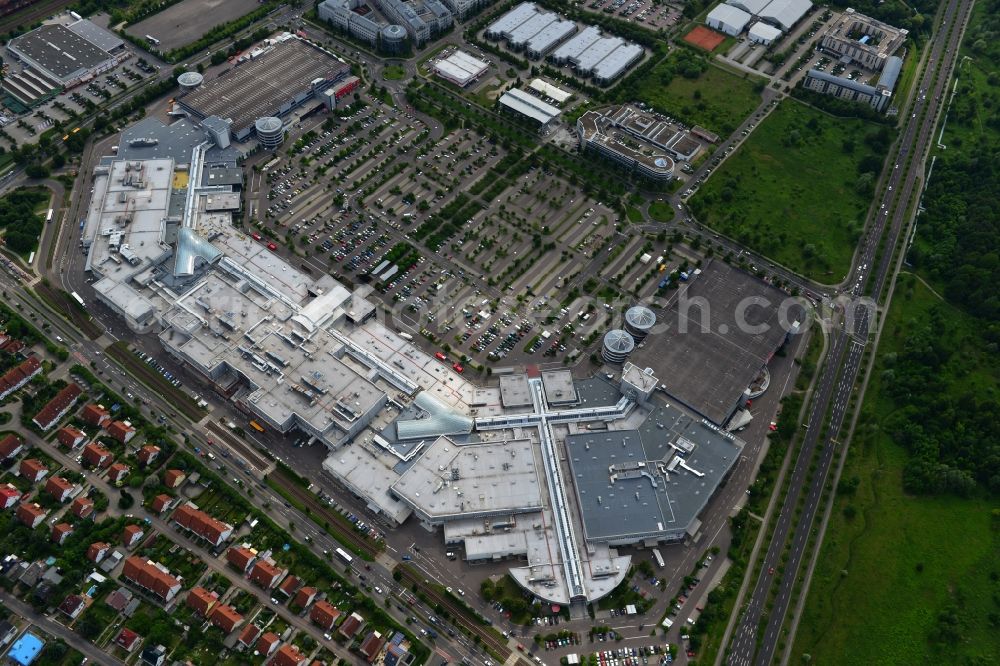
[120, 430]
[289, 585]
[131, 532]
[28, 513]
[95, 550]
[288, 655]
[58, 487]
[265, 574]
[225, 618]
[351, 625]
[31, 468]
[371, 646]
[267, 642]
[201, 523]
[127, 639]
[172, 478]
[8, 494]
[160, 502]
[146, 574]
[82, 506]
[57, 406]
[249, 634]
[240, 557]
[304, 596]
[147, 453]
[68, 436]
[117, 471]
[9, 445]
[201, 600]
[61, 531]
[324, 614]
[18, 376]
[96, 455]
[94, 414]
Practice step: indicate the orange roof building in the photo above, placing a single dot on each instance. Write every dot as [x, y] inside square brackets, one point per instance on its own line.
[266, 574]
[57, 407]
[324, 614]
[288, 655]
[268, 643]
[201, 524]
[240, 557]
[118, 472]
[173, 478]
[249, 634]
[30, 514]
[82, 507]
[61, 532]
[305, 596]
[97, 551]
[121, 431]
[95, 415]
[148, 454]
[225, 618]
[9, 496]
[96, 455]
[160, 503]
[152, 577]
[33, 470]
[201, 601]
[59, 488]
[131, 535]
[18, 376]
[10, 446]
[71, 437]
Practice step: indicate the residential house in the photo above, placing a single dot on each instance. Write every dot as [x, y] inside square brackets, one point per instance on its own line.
[351, 626]
[118, 472]
[324, 614]
[305, 596]
[9, 496]
[202, 525]
[148, 454]
[97, 551]
[82, 507]
[30, 514]
[119, 599]
[96, 455]
[268, 643]
[152, 577]
[240, 557]
[173, 478]
[371, 646]
[60, 532]
[18, 376]
[153, 655]
[131, 535]
[33, 470]
[288, 655]
[128, 640]
[95, 415]
[71, 437]
[160, 503]
[225, 618]
[201, 601]
[290, 585]
[122, 431]
[72, 606]
[59, 488]
[57, 407]
[266, 574]
[249, 635]
[10, 446]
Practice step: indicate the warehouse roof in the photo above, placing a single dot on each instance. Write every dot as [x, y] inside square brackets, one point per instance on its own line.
[259, 87]
[528, 105]
[59, 50]
[550, 91]
[729, 15]
[97, 35]
[786, 13]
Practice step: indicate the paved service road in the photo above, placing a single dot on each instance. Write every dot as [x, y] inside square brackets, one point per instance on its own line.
[844, 360]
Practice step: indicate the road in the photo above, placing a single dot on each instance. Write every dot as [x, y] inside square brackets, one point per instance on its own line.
[844, 362]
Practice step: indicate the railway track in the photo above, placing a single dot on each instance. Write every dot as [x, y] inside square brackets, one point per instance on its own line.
[241, 448]
[26, 15]
[344, 533]
[458, 612]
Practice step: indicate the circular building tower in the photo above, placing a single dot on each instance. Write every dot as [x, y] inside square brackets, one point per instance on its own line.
[270, 132]
[638, 321]
[189, 81]
[617, 346]
[393, 38]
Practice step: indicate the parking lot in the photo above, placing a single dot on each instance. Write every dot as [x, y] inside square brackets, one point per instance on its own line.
[647, 13]
[25, 128]
[478, 250]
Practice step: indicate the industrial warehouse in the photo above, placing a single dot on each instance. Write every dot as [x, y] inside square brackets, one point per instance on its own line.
[282, 74]
[404, 430]
[768, 19]
[540, 34]
[56, 56]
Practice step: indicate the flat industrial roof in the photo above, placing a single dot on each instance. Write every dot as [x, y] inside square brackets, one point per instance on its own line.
[452, 481]
[528, 105]
[258, 88]
[628, 486]
[96, 35]
[174, 141]
[59, 50]
[550, 91]
[559, 388]
[703, 356]
[514, 390]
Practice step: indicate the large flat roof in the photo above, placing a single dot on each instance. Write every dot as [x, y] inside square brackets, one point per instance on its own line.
[451, 481]
[528, 105]
[60, 51]
[260, 87]
[628, 485]
[701, 354]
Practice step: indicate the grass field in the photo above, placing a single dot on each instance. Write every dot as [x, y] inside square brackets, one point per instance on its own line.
[393, 73]
[792, 190]
[661, 212]
[716, 100]
[904, 568]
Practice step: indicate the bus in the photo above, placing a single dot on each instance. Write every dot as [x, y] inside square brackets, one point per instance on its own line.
[256, 426]
[77, 298]
[152, 40]
[658, 558]
[48, 217]
[270, 165]
[343, 554]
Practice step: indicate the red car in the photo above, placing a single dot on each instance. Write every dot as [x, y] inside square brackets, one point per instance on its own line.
[255, 236]
[272, 247]
[770, 570]
[773, 426]
[439, 356]
[458, 368]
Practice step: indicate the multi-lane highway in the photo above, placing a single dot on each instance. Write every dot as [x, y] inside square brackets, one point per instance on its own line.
[844, 360]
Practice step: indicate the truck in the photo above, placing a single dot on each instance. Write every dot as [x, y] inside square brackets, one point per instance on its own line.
[405, 336]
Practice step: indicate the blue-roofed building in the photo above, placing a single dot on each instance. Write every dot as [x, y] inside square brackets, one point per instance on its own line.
[26, 649]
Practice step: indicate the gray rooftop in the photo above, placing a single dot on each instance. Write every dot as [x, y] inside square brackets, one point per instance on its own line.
[59, 50]
[559, 388]
[700, 354]
[96, 35]
[629, 486]
[174, 141]
[450, 481]
[514, 390]
[260, 87]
